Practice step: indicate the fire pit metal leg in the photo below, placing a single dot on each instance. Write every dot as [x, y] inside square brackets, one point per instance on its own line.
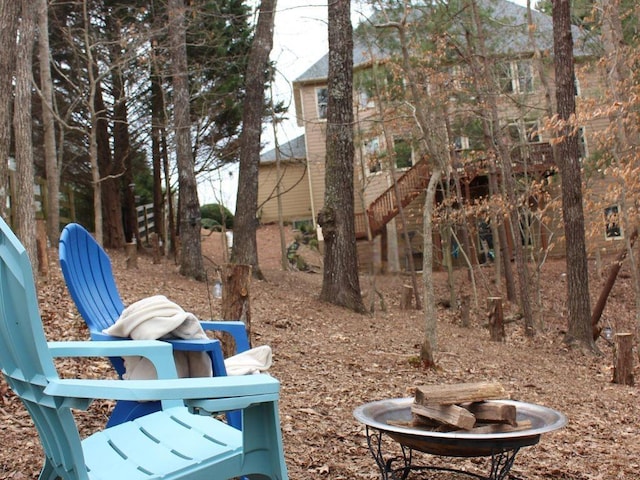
[501, 462]
[374, 441]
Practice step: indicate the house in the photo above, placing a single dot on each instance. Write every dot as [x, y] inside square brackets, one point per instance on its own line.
[521, 106]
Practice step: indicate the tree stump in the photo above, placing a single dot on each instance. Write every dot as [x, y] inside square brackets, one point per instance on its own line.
[131, 250]
[465, 313]
[496, 319]
[236, 280]
[155, 248]
[406, 298]
[623, 359]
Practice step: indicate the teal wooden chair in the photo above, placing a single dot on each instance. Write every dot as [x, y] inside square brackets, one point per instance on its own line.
[87, 271]
[182, 441]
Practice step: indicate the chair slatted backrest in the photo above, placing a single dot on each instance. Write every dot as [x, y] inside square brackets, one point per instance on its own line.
[89, 277]
[25, 359]
[93, 287]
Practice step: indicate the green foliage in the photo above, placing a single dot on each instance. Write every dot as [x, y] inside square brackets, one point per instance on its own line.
[219, 37]
[215, 214]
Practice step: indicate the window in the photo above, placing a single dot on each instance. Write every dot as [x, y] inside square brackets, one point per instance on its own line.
[461, 143]
[403, 151]
[365, 100]
[516, 77]
[612, 227]
[372, 154]
[322, 96]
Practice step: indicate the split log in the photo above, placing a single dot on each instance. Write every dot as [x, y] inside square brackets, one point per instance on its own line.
[155, 248]
[459, 393]
[452, 415]
[493, 412]
[498, 428]
[623, 359]
[496, 319]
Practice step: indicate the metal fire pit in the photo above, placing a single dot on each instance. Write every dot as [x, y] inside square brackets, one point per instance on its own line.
[501, 447]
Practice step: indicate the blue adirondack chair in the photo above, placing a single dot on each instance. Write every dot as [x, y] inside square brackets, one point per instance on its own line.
[182, 441]
[87, 272]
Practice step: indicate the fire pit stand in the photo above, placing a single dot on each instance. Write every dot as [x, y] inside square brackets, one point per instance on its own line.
[385, 417]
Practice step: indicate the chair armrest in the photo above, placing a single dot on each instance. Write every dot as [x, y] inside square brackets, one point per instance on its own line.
[105, 337]
[237, 329]
[216, 393]
[160, 354]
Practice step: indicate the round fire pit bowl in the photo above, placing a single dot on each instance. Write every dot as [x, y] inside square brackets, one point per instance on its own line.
[377, 415]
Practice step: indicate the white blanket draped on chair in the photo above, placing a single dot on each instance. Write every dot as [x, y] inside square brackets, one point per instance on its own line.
[157, 318]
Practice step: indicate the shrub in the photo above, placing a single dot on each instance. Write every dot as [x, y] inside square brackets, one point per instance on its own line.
[216, 212]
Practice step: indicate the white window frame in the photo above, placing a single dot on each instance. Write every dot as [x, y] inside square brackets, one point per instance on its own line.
[612, 226]
[520, 75]
[321, 107]
[372, 148]
[411, 157]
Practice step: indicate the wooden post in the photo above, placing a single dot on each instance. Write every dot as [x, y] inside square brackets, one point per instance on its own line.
[623, 359]
[236, 280]
[465, 307]
[496, 319]
[405, 299]
[43, 251]
[132, 255]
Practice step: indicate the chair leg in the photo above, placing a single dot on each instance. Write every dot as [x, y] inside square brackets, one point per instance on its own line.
[263, 442]
[48, 472]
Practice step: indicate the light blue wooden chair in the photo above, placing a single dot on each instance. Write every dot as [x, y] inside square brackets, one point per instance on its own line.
[182, 441]
[87, 271]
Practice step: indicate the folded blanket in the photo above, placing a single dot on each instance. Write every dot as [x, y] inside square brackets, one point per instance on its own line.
[256, 360]
[155, 318]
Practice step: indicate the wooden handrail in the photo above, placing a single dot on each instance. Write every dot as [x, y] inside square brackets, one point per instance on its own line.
[532, 157]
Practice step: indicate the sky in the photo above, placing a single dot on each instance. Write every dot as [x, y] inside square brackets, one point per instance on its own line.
[300, 39]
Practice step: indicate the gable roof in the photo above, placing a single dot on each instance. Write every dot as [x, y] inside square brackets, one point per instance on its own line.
[511, 29]
[294, 150]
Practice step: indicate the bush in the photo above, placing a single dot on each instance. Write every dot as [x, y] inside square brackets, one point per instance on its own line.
[215, 213]
[211, 224]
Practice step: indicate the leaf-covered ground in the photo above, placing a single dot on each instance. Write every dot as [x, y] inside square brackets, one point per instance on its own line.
[330, 360]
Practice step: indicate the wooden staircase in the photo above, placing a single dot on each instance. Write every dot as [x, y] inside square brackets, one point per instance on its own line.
[534, 157]
[385, 207]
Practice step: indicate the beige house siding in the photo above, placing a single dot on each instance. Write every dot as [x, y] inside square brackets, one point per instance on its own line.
[295, 199]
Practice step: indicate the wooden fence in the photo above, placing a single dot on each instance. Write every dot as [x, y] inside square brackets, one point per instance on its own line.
[67, 201]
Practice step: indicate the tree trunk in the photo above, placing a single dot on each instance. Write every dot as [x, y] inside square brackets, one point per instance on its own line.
[158, 124]
[236, 296]
[9, 10]
[93, 127]
[191, 264]
[579, 321]
[22, 204]
[340, 282]
[122, 158]
[113, 232]
[509, 183]
[50, 154]
[245, 246]
[430, 342]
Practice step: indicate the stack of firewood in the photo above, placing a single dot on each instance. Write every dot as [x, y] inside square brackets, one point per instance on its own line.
[472, 407]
